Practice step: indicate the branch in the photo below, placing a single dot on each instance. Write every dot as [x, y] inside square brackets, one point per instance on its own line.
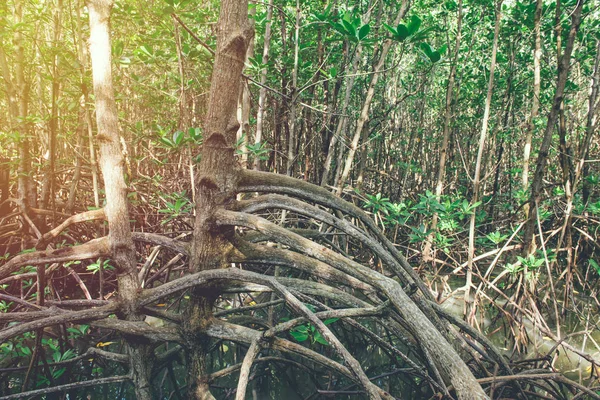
[235, 333]
[256, 181]
[92, 351]
[68, 386]
[173, 244]
[453, 369]
[139, 328]
[231, 369]
[273, 256]
[92, 215]
[192, 34]
[294, 205]
[61, 318]
[295, 304]
[92, 249]
[245, 369]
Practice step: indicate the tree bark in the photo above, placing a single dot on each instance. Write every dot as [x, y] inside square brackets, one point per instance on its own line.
[217, 180]
[536, 185]
[121, 244]
[482, 138]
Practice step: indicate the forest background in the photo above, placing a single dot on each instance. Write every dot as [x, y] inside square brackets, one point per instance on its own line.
[467, 130]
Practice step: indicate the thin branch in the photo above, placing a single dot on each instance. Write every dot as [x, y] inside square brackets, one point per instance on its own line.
[68, 386]
[61, 318]
[192, 34]
[245, 369]
[92, 215]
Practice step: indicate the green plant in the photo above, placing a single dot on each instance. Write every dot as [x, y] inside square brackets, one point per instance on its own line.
[594, 265]
[377, 203]
[496, 237]
[178, 206]
[78, 331]
[4, 306]
[351, 27]
[404, 31]
[305, 332]
[95, 267]
[258, 150]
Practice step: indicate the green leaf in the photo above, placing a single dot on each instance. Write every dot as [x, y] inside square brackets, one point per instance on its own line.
[402, 32]
[364, 31]
[349, 27]
[146, 50]
[392, 30]
[330, 321]
[178, 137]
[414, 25]
[595, 265]
[320, 339]
[299, 336]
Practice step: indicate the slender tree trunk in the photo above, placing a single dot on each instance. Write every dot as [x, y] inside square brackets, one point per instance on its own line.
[441, 172]
[84, 104]
[582, 168]
[536, 185]
[482, 138]
[27, 190]
[535, 100]
[342, 122]
[262, 94]
[48, 183]
[243, 111]
[364, 114]
[117, 214]
[292, 142]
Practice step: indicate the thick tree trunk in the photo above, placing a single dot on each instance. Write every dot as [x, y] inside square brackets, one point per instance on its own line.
[217, 180]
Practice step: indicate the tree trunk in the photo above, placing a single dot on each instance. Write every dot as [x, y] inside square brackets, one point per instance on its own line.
[121, 244]
[482, 138]
[441, 172]
[217, 180]
[536, 185]
[364, 114]
[262, 94]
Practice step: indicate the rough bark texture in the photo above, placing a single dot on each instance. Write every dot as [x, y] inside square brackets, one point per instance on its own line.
[121, 245]
[217, 179]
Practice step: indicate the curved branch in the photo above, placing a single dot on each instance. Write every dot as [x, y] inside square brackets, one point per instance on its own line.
[139, 328]
[235, 333]
[231, 369]
[257, 181]
[245, 369]
[296, 305]
[92, 249]
[92, 215]
[68, 386]
[61, 318]
[274, 256]
[297, 206]
[452, 368]
[161, 240]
